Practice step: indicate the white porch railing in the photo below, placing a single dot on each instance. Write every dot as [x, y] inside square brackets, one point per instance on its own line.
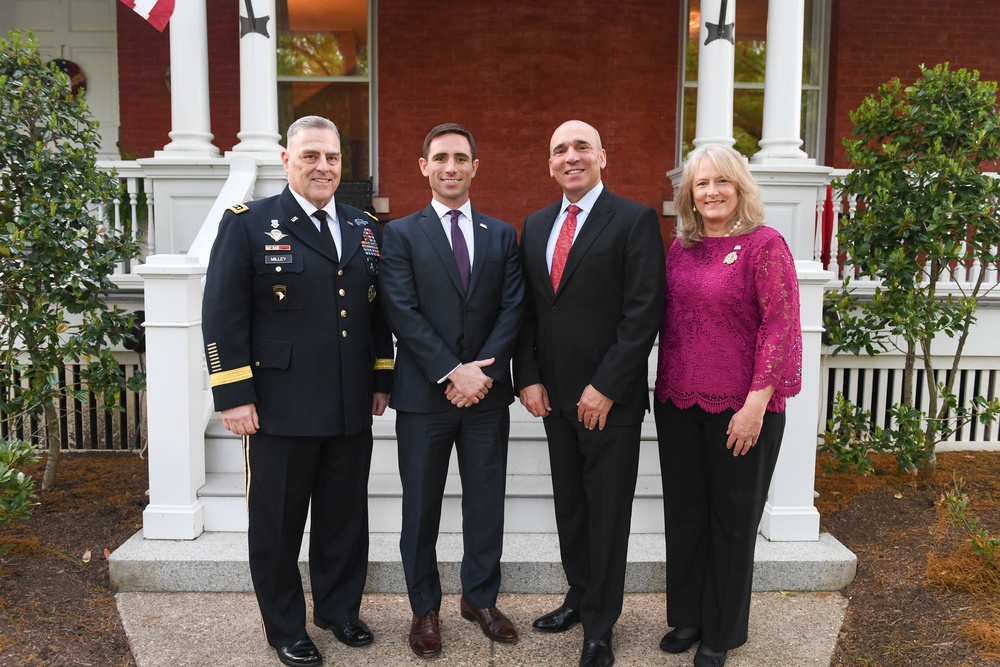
[875, 383]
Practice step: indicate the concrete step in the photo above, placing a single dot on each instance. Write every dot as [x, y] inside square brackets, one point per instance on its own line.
[527, 508]
[218, 562]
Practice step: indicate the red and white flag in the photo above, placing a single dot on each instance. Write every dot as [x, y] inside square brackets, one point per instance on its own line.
[157, 12]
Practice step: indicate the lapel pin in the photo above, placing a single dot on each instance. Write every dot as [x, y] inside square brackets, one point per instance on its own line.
[483, 225]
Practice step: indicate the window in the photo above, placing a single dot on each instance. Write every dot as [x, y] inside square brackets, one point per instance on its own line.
[748, 96]
[325, 68]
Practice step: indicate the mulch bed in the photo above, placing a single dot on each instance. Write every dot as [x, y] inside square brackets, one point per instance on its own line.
[909, 605]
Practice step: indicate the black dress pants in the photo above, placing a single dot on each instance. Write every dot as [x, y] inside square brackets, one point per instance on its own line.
[283, 475]
[593, 484]
[712, 506]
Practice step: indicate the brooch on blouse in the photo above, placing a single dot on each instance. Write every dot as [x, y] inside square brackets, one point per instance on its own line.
[733, 256]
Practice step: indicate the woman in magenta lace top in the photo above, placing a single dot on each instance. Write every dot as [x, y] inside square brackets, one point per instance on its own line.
[730, 354]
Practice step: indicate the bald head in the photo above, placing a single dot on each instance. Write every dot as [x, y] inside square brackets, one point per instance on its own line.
[576, 158]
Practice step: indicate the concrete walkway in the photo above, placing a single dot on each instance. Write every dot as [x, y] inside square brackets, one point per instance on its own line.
[223, 629]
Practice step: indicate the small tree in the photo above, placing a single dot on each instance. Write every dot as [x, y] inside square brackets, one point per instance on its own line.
[926, 213]
[56, 252]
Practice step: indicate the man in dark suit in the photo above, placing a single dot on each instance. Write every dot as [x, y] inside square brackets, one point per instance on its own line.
[594, 282]
[300, 358]
[453, 295]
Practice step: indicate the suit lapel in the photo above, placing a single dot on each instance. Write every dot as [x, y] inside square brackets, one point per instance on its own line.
[350, 235]
[540, 242]
[302, 226]
[481, 234]
[431, 226]
[595, 223]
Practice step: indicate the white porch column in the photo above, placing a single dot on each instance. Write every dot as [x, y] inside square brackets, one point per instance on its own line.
[258, 80]
[789, 514]
[177, 410]
[780, 140]
[716, 59]
[190, 123]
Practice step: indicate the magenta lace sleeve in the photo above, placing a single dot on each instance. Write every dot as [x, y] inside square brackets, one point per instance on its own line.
[778, 355]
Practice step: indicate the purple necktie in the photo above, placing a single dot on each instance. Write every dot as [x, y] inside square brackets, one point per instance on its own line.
[460, 249]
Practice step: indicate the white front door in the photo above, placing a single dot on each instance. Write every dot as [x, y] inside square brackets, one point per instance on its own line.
[84, 32]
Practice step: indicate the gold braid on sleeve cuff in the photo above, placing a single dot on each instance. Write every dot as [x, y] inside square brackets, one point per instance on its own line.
[384, 365]
[228, 377]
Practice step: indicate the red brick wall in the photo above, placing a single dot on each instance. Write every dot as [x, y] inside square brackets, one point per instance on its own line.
[143, 65]
[873, 42]
[512, 72]
[143, 62]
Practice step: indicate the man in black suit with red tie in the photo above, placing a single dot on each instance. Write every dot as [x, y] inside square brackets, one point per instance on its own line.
[453, 296]
[594, 288]
[300, 357]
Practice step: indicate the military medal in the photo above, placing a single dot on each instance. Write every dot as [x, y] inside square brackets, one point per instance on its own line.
[369, 244]
[733, 256]
[279, 248]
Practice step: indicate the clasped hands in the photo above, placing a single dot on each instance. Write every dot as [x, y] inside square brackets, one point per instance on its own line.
[467, 384]
[591, 410]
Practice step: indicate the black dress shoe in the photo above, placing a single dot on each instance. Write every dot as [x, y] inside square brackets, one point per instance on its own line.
[706, 657]
[302, 653]
[597, 653]
[679, 640]
[560, 620]
[353, 633]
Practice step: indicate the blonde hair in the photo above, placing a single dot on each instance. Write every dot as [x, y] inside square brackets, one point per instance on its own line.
[733, 167]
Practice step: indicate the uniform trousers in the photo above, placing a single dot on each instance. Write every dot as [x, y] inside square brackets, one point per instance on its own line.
[283, 475]
[425, 442]
[712, 505]
[593, 484]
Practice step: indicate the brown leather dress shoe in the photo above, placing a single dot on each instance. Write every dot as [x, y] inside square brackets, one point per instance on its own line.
[425, 635]
[495, 625]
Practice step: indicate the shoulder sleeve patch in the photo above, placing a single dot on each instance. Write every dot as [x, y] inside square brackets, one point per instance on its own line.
[239, 208]
[371, 216]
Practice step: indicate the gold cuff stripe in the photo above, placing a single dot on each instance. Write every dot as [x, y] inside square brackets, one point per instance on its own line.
[384, 364]
[228, 377]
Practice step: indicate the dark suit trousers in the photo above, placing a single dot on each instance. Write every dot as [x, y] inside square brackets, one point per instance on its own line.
[283, 475]
[593, 483]
[425, 441]
[712, 505]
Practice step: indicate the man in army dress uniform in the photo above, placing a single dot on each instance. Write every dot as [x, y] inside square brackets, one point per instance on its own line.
[300, 358]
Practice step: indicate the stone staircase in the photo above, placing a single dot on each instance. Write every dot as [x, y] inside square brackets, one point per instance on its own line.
[216, 560]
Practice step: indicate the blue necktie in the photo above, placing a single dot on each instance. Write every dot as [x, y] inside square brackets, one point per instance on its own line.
[460, 249]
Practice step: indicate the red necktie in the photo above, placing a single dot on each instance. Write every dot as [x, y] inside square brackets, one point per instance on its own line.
[563, 243]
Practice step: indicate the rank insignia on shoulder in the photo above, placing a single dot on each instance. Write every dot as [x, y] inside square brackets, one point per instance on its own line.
[239, 208]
